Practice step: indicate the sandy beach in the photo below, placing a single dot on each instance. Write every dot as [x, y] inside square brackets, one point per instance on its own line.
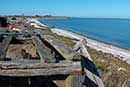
[120, 53]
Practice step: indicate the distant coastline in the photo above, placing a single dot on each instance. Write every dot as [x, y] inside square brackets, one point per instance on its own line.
[37, 17]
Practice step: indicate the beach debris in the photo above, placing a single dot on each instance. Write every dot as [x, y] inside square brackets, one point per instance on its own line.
[91, 73]
[55, 58]
[67, 52]
[121, 69]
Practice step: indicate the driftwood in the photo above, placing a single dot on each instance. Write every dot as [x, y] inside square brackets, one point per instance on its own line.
[34, 68]
[92, 75]
[4, 46]
[67, 52]
[28, 68]
[43, 51]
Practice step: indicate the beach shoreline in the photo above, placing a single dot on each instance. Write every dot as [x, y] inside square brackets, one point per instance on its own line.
[123, 54]
[118, 52]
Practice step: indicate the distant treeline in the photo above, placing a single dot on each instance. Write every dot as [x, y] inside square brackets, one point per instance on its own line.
[37, 16]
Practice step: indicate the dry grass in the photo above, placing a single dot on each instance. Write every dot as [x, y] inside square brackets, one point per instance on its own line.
[104, 61]
[65, 40]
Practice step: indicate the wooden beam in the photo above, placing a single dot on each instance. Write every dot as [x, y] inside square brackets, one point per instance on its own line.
[34, 64]
[4, 46]
[90, 69]
[43, 51]
[67, 52]
[92, 78]
[38, 69]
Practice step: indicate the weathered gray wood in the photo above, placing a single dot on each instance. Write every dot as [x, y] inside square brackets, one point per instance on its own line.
[77, 81]
[40, 72]
[92, 76]
[4, 46]
[32, 64]
[79, 44]
[67, 52]
[43, 51]
[91, 73]
[24, 38]
[38, 69]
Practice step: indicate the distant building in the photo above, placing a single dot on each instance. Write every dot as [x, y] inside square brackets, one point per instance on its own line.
[3, 22]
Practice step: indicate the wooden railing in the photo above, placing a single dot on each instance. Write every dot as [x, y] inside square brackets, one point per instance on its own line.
[92, 77]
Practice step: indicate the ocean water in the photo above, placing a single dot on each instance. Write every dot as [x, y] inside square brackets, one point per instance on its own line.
[112, 31]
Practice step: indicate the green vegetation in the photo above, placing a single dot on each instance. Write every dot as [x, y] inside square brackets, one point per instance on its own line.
[107, 62]
[103, 61]
[65, 40]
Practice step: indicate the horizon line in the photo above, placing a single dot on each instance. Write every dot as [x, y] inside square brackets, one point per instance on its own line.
[68, 16]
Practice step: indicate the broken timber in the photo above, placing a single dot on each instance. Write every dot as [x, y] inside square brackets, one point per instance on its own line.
[62, 48]
[92, 76]
[31, 67]
[43, 51]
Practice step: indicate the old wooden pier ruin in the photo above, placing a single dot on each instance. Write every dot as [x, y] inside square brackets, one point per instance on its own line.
[56, 64]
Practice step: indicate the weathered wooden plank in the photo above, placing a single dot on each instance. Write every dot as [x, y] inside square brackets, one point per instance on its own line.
[90, 69]
[39, 72]
[38, 69]
[4, 46]
[79, 44]
[77, 81]
[43, 51]
[67, 52]
[92, 78]
[29, 64]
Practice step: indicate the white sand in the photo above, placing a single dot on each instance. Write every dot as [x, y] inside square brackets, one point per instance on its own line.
[123, 54]
[34, 22]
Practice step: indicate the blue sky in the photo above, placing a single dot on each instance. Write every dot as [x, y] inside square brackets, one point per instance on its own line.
[76, 8]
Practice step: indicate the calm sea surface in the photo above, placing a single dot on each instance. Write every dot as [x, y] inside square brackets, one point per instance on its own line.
[113, 31]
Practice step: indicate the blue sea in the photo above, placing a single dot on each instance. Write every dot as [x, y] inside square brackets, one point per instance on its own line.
[109, 30]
